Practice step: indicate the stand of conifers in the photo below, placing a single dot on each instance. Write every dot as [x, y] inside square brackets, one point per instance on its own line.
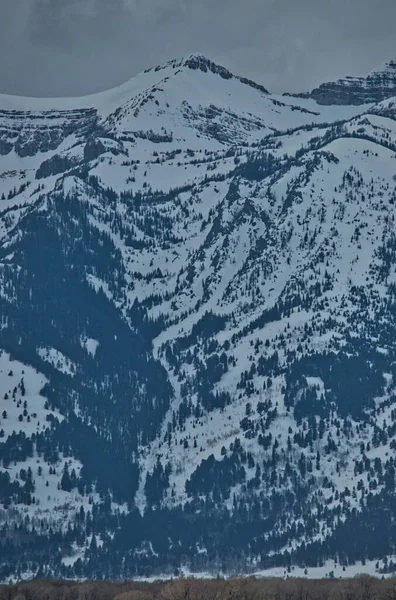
[361, 587]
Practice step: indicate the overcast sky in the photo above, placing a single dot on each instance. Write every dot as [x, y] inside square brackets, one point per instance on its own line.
[74, 47]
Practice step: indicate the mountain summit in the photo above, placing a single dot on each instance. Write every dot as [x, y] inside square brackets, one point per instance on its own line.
[378, 85]
[203, 63]
[197, 331]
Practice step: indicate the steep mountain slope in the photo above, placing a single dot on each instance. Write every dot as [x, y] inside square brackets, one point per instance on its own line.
[197, 299]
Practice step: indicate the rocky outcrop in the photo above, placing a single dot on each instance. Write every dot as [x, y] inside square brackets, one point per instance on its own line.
[93, 149]
[54, 166]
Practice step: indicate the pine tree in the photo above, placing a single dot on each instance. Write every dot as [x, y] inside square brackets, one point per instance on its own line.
[66, 482]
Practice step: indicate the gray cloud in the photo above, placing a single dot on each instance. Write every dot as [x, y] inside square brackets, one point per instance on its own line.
[73, 47]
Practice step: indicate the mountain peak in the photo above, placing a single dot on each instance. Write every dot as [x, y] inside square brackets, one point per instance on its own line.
[376, 86]
[200, 62]
[388, 67]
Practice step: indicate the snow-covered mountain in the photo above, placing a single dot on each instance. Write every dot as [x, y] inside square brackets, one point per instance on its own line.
[197, 300]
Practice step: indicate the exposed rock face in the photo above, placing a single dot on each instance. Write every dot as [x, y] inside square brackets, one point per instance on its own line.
[378, 85]
[29, 132]
[54, 166]
[197, 61]
[93, 149]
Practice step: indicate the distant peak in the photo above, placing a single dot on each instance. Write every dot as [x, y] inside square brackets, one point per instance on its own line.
[376, 86]
[386, 68]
